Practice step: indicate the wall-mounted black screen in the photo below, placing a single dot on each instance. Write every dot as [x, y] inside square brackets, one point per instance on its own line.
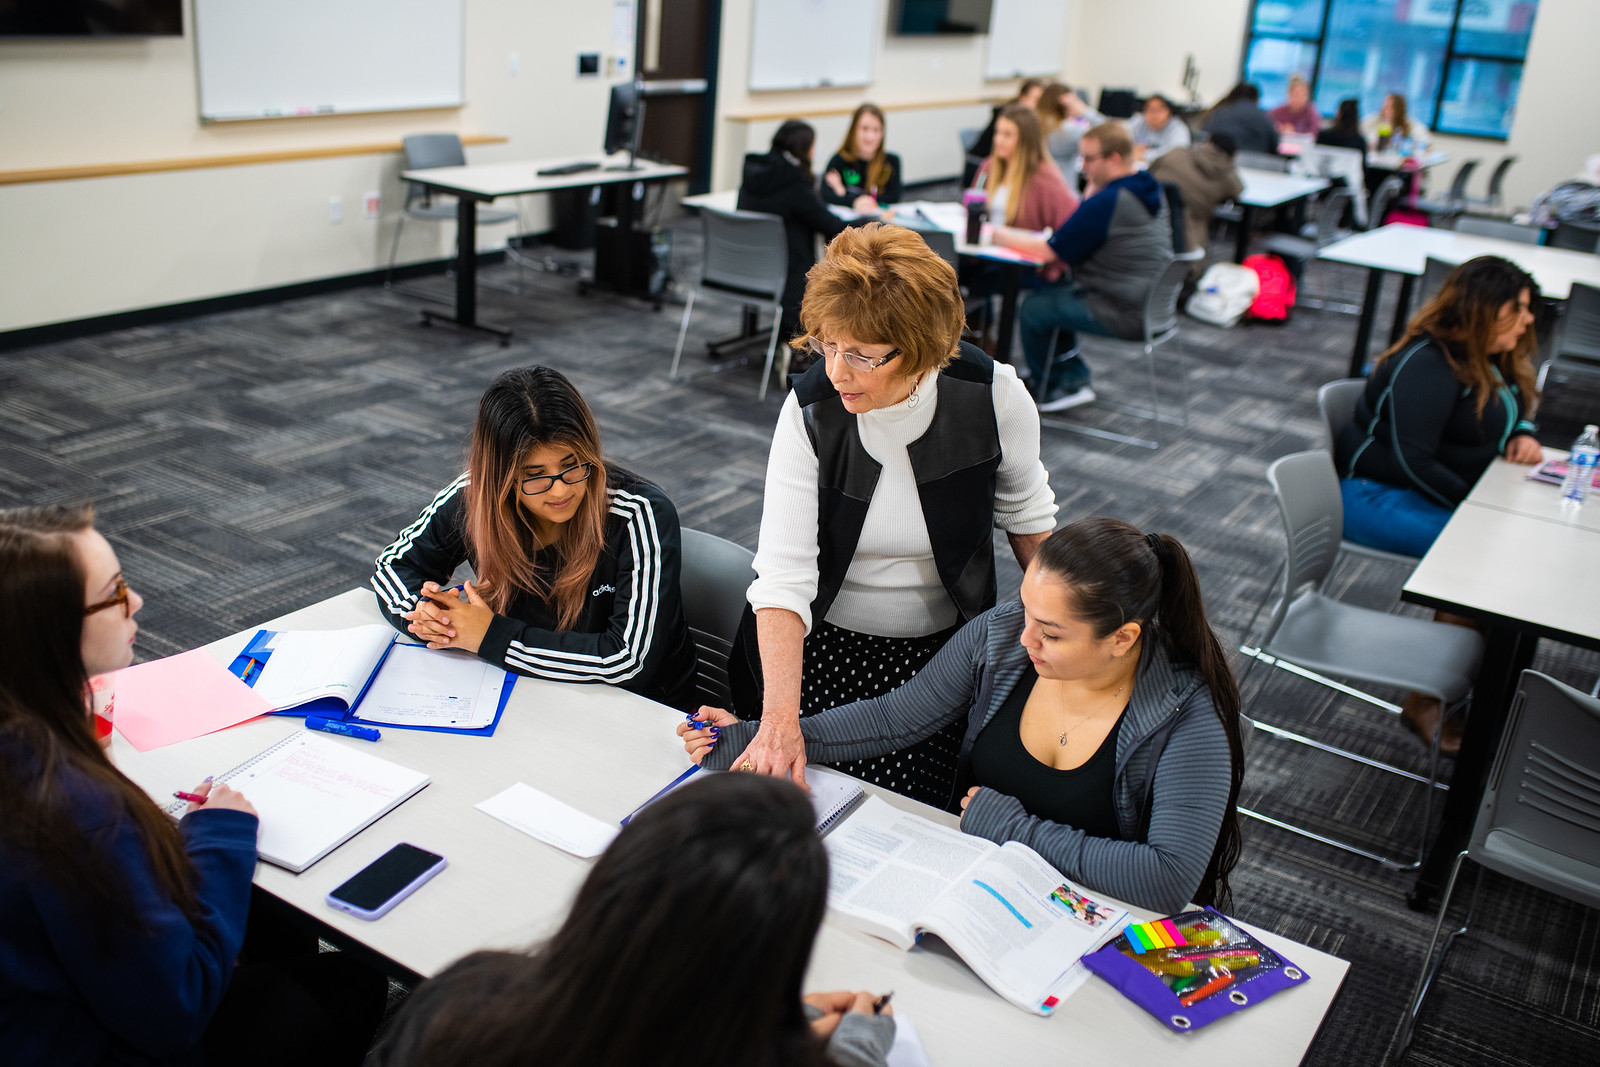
[91, 18]
[918, 17]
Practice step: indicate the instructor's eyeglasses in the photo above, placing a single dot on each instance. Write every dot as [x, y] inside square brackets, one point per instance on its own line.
[121, 597]
[855, 359]
[541, 483]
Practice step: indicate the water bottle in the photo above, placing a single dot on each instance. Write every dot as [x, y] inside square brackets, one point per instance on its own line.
[1581, 466]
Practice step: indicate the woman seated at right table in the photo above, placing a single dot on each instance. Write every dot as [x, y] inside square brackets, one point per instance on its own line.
[1392, 129]
[861, 174]
[1100, 720]
[1026, 190]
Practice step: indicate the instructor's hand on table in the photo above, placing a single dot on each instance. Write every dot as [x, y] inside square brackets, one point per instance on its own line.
[443, 620]
[700, 731]
[1523, 449]
[835, 1006]
[778, 750]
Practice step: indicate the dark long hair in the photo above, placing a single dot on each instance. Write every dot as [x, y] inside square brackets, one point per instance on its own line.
[795, 139]
[47, 745]
[877, 166]
[1464, 312]
[1347, 120]
[526, 408]
[715, 891]
[1116, 575]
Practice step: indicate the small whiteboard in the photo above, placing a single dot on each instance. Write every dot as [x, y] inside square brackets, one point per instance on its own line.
[1027, 38]
[809, 44]
[274, 58]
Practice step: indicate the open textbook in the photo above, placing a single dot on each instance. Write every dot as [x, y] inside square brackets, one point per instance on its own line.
[1012, 917]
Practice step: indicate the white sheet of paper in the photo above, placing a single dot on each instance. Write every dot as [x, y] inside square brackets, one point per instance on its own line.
[907, 1050]
[540, 815]
[426, 687]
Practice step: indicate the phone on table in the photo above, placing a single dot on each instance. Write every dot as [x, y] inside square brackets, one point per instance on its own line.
[386, 881]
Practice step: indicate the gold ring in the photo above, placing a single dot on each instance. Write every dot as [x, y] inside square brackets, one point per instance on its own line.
[747, 766]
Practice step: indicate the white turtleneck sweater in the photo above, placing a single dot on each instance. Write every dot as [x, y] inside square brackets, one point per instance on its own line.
[892, 587]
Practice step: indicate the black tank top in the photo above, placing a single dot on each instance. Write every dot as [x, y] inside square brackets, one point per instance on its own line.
[1080, 798]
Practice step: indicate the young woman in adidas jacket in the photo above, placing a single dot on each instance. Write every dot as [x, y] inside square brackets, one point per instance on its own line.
[576, 561]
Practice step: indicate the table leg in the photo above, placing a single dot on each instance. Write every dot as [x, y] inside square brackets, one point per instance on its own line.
[1008, 313]
[1369, 312]
[1507, 653]
[466, 314]
[1402, 307]
[1247, 222]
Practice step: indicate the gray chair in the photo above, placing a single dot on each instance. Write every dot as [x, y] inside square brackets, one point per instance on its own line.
[1454, 202]
[1262, 161]
[1383, 199]
[1577, 339]
[746, 260]
[1540, 818]
[425, 151]
[1336, 401]
[1575, 237]
[942, 242]
[714, 577]
[1434, 272]
[1478, 226]
[1324, 230]
[1320, 639]
[1495, 203]
[1160, 326]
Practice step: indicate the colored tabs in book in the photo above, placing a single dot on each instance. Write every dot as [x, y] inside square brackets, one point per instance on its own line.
[179, 697]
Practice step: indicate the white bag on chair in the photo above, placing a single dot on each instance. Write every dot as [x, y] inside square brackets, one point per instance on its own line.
[1225, 293]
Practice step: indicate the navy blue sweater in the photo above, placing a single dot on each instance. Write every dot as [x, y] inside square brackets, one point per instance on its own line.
[140, 998]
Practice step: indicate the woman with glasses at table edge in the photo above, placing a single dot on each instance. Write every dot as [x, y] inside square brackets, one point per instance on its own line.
[577, 560]
[894, 460]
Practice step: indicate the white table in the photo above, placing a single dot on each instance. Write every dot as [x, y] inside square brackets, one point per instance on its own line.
[1503, 559]
[482, 182]
[1265, 188]
[604, 751]
[1396, 161]
[1404, 250]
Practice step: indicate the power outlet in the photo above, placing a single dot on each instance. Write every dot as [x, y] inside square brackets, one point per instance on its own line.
[374, 204]
[513, 64]
[335, 209]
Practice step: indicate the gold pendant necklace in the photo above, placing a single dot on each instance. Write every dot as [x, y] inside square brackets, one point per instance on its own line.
[1061, 738]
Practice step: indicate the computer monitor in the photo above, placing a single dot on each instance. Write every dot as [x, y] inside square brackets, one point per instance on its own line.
[624, 123]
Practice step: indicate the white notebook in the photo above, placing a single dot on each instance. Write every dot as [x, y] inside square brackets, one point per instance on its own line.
[314, 793]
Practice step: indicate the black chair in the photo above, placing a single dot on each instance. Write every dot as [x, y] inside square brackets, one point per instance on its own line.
[1455, 202]
[1576, 237]
[1119, 103]
[1175, 208]
[1384, 199]
[1494, 203]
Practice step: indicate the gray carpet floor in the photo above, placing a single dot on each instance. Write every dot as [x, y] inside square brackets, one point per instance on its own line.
[248, 463]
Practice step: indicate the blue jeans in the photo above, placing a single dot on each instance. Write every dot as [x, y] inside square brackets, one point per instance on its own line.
[1064, 306]
[1394, 520]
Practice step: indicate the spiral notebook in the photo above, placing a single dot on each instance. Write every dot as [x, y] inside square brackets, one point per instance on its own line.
[314, 793]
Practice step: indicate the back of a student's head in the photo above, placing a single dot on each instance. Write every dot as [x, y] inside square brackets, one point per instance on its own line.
[794, 138]
[1225, 144]
[687, 944]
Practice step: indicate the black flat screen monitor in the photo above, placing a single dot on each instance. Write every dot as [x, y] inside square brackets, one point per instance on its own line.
[917, 18]
[624, 122]
[91, 18]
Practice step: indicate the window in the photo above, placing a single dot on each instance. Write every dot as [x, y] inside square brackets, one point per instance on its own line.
[1458, 63]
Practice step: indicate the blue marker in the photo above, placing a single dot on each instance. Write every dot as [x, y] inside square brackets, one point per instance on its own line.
[344, 729]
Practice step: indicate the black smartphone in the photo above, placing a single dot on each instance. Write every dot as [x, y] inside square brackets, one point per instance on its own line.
[386, 881]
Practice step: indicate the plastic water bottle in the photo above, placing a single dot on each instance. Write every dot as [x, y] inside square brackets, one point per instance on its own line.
[1581, 466]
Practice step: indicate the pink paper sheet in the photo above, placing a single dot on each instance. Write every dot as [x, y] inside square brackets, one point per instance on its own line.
[179, 697]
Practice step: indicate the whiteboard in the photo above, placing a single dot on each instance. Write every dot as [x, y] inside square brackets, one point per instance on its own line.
[272, 58]
[1026, 38]
[807, 44]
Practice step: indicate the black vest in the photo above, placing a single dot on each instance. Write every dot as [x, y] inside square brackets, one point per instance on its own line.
[954, 463]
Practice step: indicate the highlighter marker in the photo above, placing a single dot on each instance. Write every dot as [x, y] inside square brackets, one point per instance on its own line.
[1216, 985]
[344, 729]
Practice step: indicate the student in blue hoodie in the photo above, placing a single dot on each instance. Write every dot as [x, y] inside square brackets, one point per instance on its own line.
[1116, 245]
[119, 928]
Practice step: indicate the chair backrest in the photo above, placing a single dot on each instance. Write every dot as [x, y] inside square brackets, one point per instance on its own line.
[1544, 792]
[715, 575]
[1327, 161]
[1118, 103]
[1506, 231]
[424, 151]
[1580, 323]
[1262, 161]
[1330, 209]
[969, 138]
[1497, 179]
[1458, 187]
[1307, 488]
[1575, 237]
[1161, 303]
[1383, 198]
[745, 251]
[943, 243]
[1434, 272]
[1337, 403]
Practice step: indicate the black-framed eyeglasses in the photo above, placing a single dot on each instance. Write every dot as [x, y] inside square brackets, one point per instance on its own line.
[1082, 159]
[541, 483]
[855, 359]
[122, 597]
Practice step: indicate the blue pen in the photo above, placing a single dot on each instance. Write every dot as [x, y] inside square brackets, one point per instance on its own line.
[344, 729]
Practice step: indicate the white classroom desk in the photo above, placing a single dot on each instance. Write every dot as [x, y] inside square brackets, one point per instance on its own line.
[1506, 487]
[1268, 189]
[604, 751]
[1404, 250]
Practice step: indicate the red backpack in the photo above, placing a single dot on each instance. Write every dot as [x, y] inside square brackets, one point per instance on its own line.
[1276, 297]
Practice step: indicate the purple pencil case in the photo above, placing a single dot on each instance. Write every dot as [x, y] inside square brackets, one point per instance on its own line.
[1220, 970]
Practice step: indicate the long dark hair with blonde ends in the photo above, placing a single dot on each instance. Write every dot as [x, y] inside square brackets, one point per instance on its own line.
[1464, 313]
[878, 166]
[48, 749]
[1116, 575]
[1015, 174]
[523, 409]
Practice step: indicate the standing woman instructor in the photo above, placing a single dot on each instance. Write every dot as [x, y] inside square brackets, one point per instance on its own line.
[895, 458]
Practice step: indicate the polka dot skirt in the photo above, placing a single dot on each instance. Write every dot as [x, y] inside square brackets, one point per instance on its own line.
[842, 666]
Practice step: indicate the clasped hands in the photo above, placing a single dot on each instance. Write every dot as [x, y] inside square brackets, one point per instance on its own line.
[443, 620]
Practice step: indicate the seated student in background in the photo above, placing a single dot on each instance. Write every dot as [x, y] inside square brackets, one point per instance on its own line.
[1392, 129]
[1205, 175]
[121, 926]
[577, 560]
[1455, 392]
[1116, 244]
[1063, 119]
[1239, 115]
[1025, 190]
[1101, 720]
[781, 183]
[861, 174]
[1345, 129]
[1027, 95]
[1299, 115]
[687, 946]
[1156, 130]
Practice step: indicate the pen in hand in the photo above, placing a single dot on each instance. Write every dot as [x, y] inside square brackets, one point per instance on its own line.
[882, 1002]
[193, 798]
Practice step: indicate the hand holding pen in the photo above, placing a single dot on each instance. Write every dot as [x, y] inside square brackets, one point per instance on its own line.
[701, 729]
[215, 795]
[836, 1005]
